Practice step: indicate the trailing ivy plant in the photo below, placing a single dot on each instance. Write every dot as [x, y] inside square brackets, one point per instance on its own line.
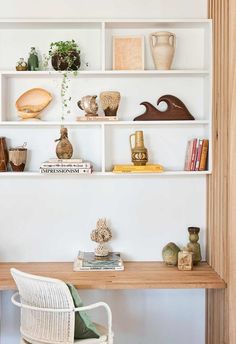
[65, 58]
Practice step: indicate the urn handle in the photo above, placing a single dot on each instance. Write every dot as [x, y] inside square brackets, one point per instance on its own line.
[172, 39]
[153, 39]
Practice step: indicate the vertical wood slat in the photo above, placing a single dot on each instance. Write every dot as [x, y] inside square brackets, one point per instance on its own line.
[221, 305]
[232, 174]
[217, 328]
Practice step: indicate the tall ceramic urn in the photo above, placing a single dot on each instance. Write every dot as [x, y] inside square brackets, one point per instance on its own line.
[163, 49]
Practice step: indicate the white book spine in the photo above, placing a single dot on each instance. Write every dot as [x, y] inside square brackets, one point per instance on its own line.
[66, 170]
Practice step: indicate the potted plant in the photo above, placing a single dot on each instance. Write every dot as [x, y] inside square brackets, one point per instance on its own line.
[65, 55]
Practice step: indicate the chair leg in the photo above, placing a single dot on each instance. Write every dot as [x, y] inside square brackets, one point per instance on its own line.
[23, 341]
[110, 341]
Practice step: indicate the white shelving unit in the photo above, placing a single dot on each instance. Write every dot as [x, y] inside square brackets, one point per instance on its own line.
[106, 143]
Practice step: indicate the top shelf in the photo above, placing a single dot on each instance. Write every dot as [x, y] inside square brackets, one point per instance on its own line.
[53, 73]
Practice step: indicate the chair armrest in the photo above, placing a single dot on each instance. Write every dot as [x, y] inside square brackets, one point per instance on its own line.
[109, 315]
[78, 309]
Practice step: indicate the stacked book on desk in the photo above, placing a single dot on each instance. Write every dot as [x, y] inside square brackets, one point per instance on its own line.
[196, 155]
[69, 166]
[87, 261]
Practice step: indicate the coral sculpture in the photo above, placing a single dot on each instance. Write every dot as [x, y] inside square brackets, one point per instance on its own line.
[101, 235]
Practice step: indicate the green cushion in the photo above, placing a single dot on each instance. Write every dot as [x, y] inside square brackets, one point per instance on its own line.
[84, 327]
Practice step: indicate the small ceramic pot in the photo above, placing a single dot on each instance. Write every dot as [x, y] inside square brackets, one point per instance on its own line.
[59, 62]
[110, 101]
[17, 158]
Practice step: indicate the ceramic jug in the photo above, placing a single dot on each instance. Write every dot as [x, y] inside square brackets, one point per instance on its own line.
[139, 153]
[163, 48]
[89, 105]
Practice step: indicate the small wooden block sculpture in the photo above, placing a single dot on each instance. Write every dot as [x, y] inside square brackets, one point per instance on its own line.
[185, 260]
[176, 110]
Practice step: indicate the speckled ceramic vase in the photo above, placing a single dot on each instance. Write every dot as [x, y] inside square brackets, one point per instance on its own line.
[64, 149]
[170, 254]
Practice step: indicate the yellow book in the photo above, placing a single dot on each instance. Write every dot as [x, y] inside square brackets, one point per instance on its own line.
[152, 168]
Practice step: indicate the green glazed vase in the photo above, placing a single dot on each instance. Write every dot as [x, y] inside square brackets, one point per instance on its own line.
[33, 61]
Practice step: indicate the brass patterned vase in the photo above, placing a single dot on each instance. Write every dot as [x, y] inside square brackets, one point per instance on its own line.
[139, 154]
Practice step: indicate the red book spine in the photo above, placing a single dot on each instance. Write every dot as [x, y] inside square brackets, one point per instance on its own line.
[193, 154]
[189, 155]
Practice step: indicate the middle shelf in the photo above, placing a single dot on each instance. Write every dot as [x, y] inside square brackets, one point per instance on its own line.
[101, 123]
[107, 144]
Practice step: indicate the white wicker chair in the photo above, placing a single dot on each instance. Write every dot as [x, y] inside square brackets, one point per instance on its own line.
[48, 312]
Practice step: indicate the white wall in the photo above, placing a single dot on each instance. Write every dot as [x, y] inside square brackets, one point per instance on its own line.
[50, 219]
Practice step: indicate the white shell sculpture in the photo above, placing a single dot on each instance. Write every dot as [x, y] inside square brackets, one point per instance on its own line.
[101, 235]
[32, 102]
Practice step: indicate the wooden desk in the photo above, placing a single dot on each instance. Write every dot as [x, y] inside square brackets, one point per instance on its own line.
[137, 275]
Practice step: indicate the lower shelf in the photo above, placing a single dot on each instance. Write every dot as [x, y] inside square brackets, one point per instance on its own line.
[162, 174]
[137, 275]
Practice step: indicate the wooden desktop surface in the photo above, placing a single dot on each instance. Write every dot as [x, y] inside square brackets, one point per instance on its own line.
[137, 275]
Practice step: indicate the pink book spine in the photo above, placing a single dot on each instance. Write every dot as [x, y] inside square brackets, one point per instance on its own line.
[199, 152]
[188, 155]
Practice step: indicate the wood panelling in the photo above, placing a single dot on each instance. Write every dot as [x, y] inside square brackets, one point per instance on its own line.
[137, 275]
[221, 312]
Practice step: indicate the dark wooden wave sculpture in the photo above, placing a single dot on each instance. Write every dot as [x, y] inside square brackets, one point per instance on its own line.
[176, 110]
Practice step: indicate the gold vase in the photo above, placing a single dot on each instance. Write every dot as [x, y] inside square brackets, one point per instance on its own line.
[139, 154]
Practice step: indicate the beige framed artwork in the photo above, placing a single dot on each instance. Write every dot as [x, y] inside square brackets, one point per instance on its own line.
[128, 53]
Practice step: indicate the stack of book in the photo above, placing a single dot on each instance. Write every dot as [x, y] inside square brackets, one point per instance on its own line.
[87, 261]
[70, 166]
[196, 155]
[151, 168]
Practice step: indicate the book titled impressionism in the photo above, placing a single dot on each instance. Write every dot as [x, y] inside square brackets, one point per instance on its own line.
[66, 166]
[87, 261]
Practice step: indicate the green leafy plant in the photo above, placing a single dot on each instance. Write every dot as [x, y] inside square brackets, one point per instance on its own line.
[63, 47]
[65, 57]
